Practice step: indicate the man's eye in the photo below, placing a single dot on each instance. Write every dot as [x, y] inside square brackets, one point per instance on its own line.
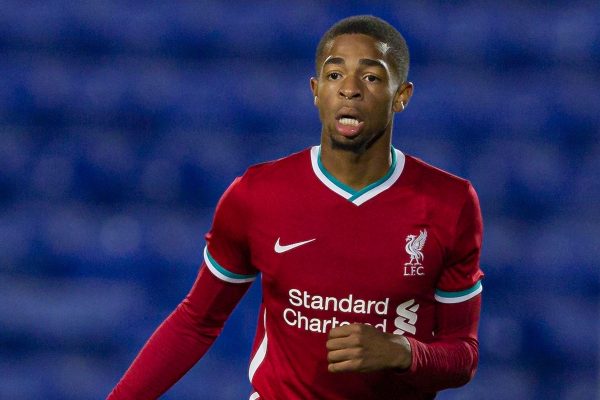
[371, 78]
[334, 76]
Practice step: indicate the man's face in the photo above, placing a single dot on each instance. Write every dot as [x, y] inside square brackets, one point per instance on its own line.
[357, 92]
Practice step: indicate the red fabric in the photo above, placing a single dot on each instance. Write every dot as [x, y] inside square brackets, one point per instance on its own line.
[451, 360]
[462, 261]
[355, 254]
[182, 339]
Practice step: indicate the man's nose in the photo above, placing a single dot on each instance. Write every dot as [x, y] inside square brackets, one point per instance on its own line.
[350, 89]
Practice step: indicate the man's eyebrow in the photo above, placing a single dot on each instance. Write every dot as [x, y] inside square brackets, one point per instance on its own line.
[334, 60]
[372, 63]
[363, 61]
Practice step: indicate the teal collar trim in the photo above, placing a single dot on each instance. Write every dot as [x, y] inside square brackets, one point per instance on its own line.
[358, 196]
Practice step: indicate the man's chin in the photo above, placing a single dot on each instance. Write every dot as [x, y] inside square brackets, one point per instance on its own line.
[355, 144]
[339, 142]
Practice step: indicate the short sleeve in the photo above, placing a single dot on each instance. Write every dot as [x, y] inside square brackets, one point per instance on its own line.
[460, 279]
[227, 251]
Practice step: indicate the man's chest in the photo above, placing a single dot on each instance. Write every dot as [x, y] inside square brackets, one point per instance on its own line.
[337, 259]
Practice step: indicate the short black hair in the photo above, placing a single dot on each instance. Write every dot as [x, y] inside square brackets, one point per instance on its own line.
[376, 28]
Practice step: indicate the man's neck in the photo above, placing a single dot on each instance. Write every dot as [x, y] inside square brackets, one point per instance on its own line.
[357, 170]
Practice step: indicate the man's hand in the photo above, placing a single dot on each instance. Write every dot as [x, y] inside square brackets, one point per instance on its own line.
[363, 348]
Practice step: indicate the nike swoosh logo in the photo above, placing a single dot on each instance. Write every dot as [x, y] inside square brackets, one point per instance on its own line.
[282, 249]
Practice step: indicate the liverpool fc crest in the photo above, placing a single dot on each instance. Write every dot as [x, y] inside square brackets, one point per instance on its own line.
[414, 247]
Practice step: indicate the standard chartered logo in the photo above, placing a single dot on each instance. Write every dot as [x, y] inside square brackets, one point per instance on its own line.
[407, 317]
[318, 313]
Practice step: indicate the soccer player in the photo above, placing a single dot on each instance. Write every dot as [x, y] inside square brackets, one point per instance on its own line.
[369, 258]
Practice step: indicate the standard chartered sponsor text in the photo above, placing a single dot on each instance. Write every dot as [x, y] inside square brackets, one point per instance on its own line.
[349, 304]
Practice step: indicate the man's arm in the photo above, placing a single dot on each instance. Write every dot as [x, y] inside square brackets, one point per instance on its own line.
[189, 331]
[449, 361]
[451, 358]
[182, 339]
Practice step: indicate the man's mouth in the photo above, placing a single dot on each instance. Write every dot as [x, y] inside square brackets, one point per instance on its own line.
[348, 126]
[348, 121]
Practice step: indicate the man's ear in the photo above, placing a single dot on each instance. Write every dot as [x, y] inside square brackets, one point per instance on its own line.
[402, 96]
[314, 87]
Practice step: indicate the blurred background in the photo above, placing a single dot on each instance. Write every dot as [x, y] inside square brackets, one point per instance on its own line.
[121, 123]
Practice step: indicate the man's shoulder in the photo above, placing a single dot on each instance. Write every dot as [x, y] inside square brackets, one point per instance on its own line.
[280, 171]
[431, 178]
[280, 167]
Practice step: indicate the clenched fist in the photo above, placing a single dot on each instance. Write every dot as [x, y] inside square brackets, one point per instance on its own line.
[363, 348]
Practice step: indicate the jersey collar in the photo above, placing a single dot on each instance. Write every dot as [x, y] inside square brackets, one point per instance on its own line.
[357, 197]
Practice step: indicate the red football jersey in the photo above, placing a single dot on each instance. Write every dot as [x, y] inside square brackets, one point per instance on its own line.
[388, 255]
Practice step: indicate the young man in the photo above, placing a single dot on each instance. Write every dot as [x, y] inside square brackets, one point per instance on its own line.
[369, 258]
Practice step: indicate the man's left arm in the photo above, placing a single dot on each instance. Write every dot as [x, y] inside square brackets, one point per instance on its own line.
[449, 361]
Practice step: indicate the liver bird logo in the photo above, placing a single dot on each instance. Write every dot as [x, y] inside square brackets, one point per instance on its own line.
[414, 245]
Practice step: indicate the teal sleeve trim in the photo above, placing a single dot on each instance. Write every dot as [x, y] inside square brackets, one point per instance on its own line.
[465, 292]
[223, 273]
[458, 297]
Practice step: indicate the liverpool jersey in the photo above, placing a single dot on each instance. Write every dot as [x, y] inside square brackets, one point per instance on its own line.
[329, 255]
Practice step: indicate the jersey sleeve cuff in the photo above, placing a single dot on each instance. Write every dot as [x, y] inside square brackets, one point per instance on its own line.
[224, 274]
[458, 297]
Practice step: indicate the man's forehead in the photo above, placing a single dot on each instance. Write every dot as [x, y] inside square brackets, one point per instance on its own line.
[369, 51]
[356, 42]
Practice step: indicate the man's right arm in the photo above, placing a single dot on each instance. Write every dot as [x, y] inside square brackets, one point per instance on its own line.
[182, 339]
